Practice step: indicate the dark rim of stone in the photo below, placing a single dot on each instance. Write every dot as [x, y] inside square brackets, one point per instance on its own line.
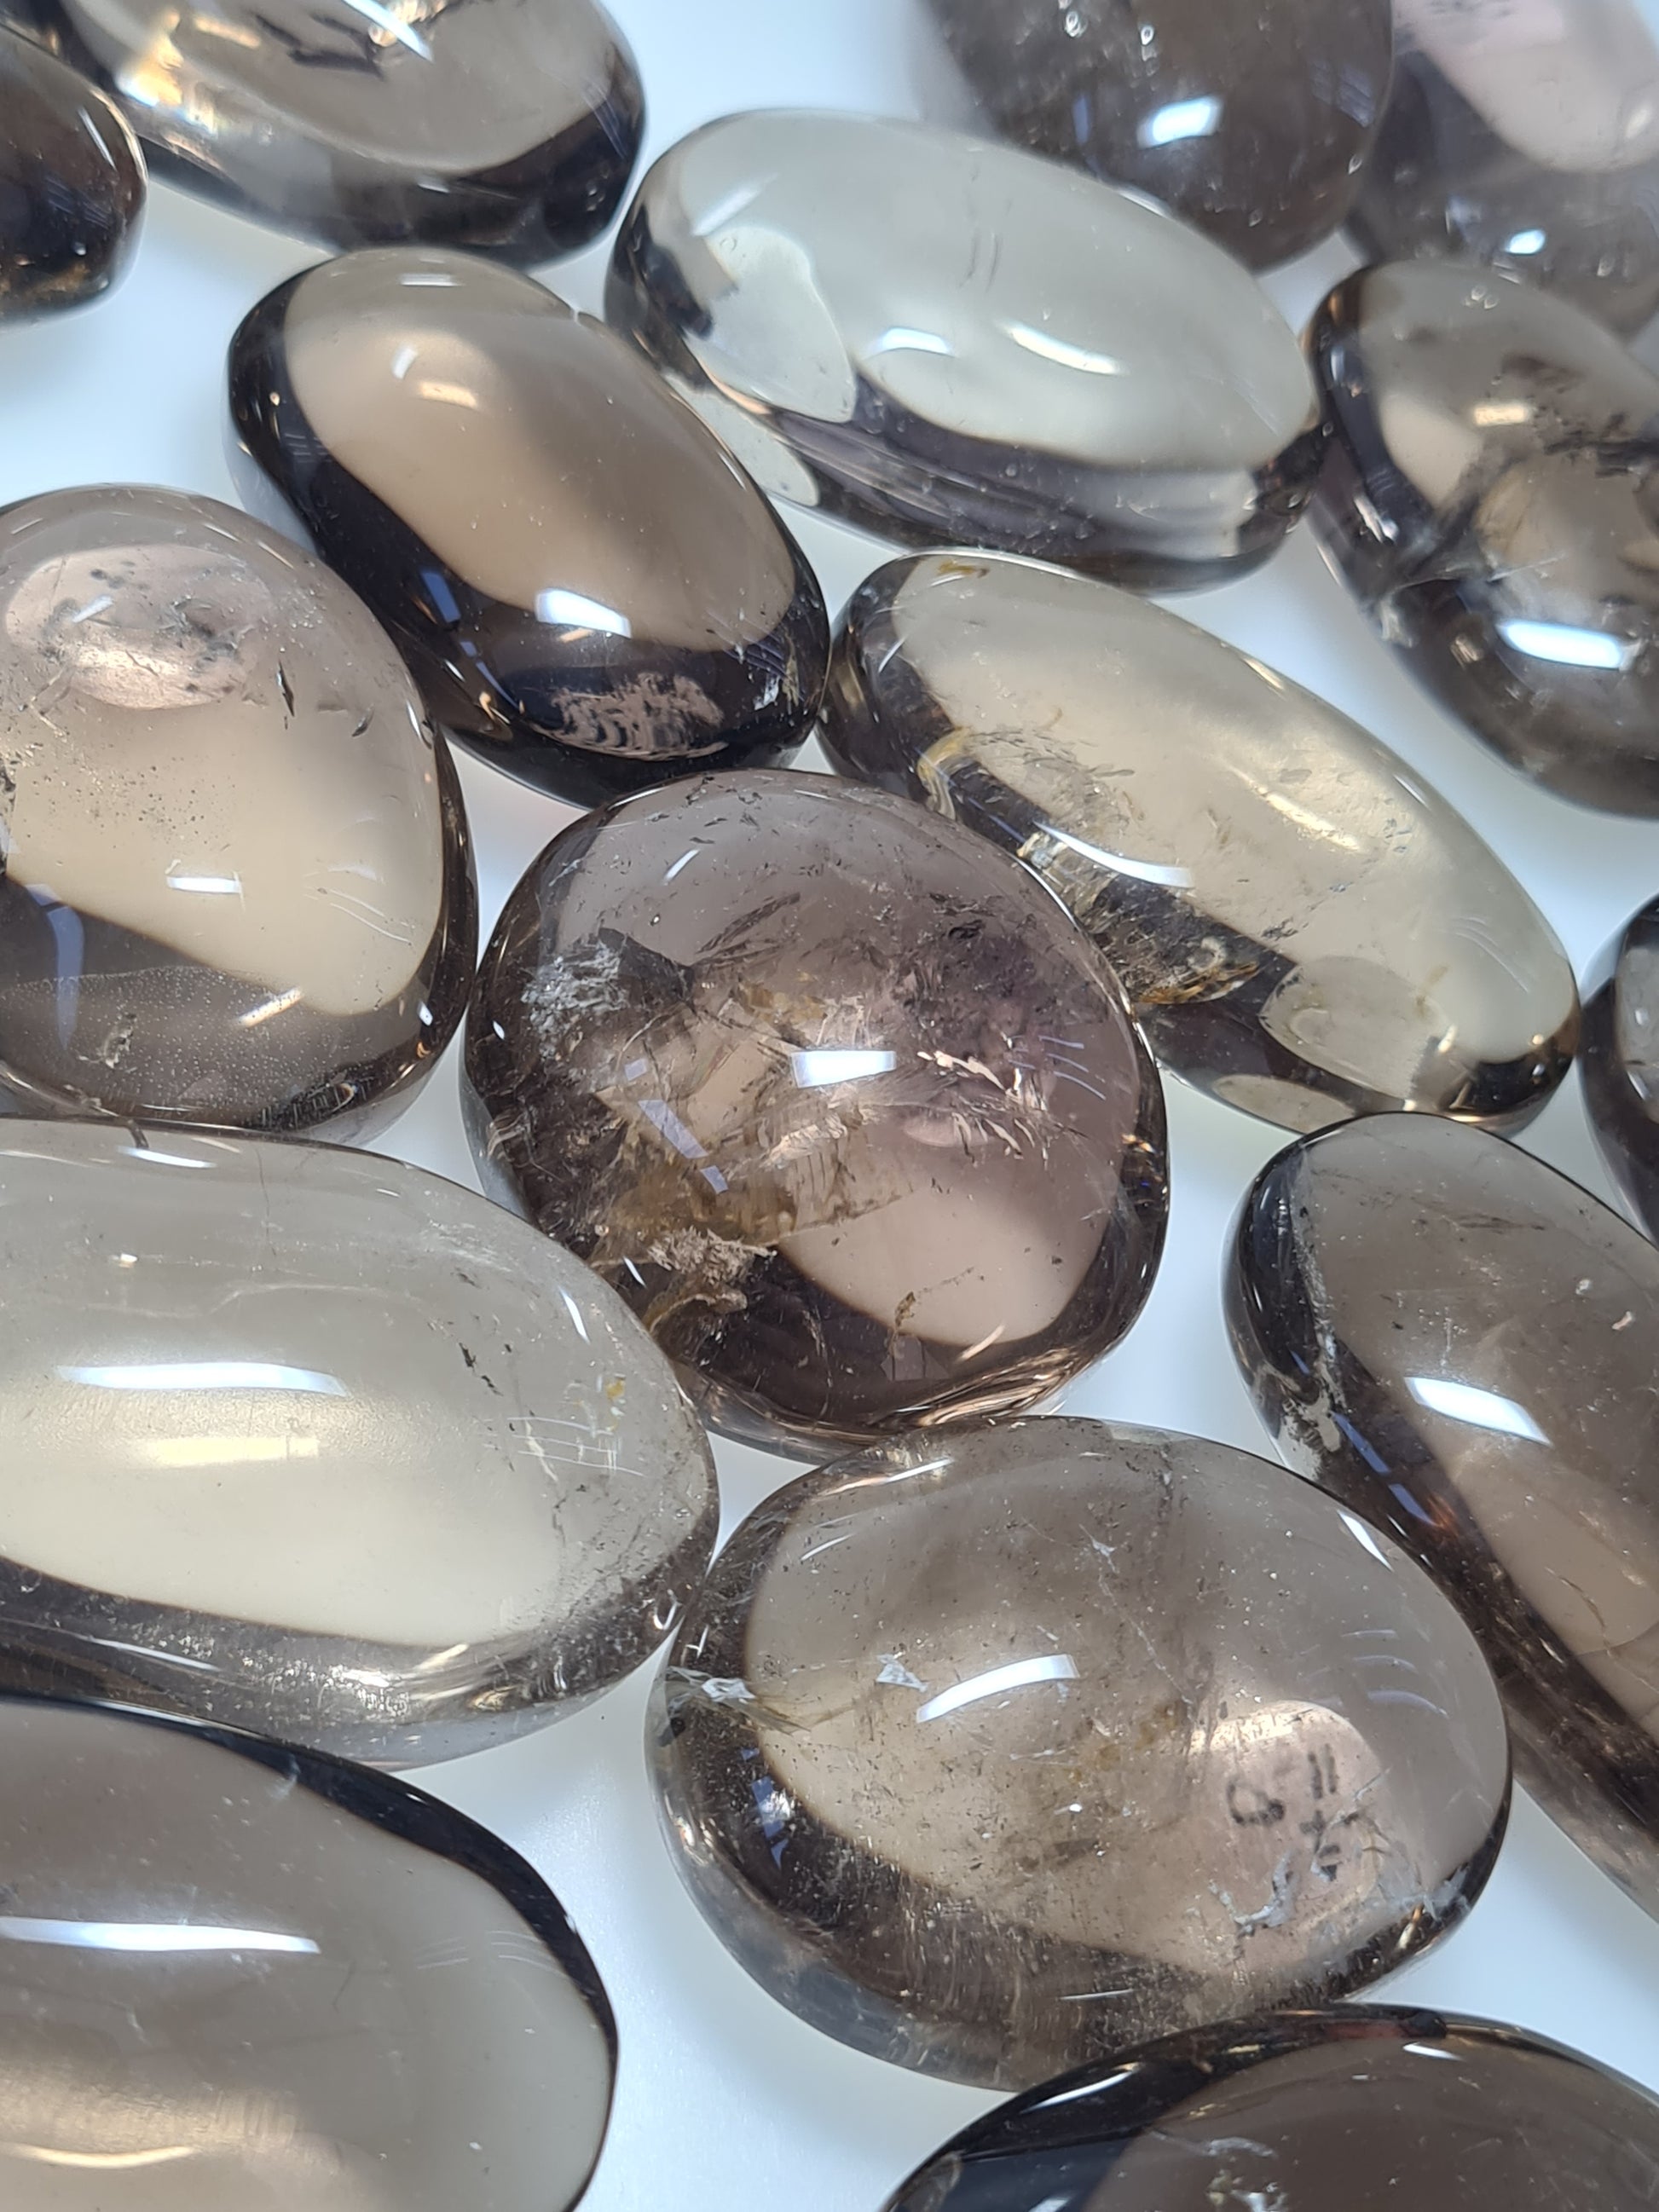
[1622, 1117]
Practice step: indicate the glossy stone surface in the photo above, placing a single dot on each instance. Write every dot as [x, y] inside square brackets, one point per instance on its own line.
[308, 1442]
[221, 1992]
[1621, 1061]
[1253, 123]
[1524, 132]
[992, 1753]
[841, 1102]
[1365, 2107]
[71, 185]
[1460, 1343]
[1488, 492]
[947, 341]
[1302, 929]
[237, 889]
[592, 593]
[509, 126]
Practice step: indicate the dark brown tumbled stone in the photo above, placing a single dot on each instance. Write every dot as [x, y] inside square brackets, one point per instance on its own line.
[71, 185]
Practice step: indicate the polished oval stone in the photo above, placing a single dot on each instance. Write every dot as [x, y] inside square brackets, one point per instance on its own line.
[1304, 930]
[509, 126]
[592, 593]
[308, 1442]
[1488, 493]
[991, 1753]
[1460, 1343]
[238, 887]
[1528, 136]
[944, 340]
[71, 185]
[1370, 2107]
[841, 1101]
[240, 1975]
[1252, 123]
[1621, 1061]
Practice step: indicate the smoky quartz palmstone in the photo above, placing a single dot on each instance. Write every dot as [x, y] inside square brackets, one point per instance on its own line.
[1252, 123]
[592, 593]
[507, 126]
[994, 1753]
[1303, 929]
[946, 341]
[310, 1442]
[1456, 1340]
[841, 1101]
[1367, 2106]
[1525, 135]
[1489, 493]
[1621, 1062]
[237, 1974]
[71, 185]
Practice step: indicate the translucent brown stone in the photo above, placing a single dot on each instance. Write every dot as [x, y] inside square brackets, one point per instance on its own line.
[1621, 1061]
[237, 888]
[241, 1975]
[1488, 493]
[945, 341]
[1253, 123]
[992, 1753]
[590, 591]
[1365, 2107]
[71, 185]
[1460, 1343]
[1303, 929]
[1526, 135]
[841, 1101]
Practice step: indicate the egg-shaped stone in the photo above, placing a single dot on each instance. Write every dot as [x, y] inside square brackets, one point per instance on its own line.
[1368, 2106]
[71, 185]
[994, 1753]
[1303, 928]
[1489, 493]
[308, 1442]
[947, 341]
[841, 1101]
[237, 1974]
[1621, 1061]
[509, 126]
[237, 888]
[592, 593]
[1456, 1340]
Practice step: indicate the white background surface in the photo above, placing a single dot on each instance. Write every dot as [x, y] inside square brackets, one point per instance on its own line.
[724, 2098]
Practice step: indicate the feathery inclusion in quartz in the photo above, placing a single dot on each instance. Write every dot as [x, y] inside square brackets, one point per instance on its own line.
[510, 127]
[941, 339]
[237, 888]
[1621, 1062]
[1460, 1342]
[991, 1753]
[592, 593]
[1526, 133]
[308, 1441]
[1302, 929]
[1489, 491]
[1253, 123]
[841, 1101]
[1370, 2107]
[221, 1992]
[71, 185]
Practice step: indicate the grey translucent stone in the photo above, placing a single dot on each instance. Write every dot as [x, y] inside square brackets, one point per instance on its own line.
[991, 1753]
[945, 340]
[310, 1442]
[238, 887]
[1253, 123]
[1524, 132]
[71, 185]
[1488, 492]
[841, 1101]
[1303, 929]
[1459, 1342]
[509, 126]
[1621, 1061]
[592, 593]
[240, 1975]
[1364, 2106]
